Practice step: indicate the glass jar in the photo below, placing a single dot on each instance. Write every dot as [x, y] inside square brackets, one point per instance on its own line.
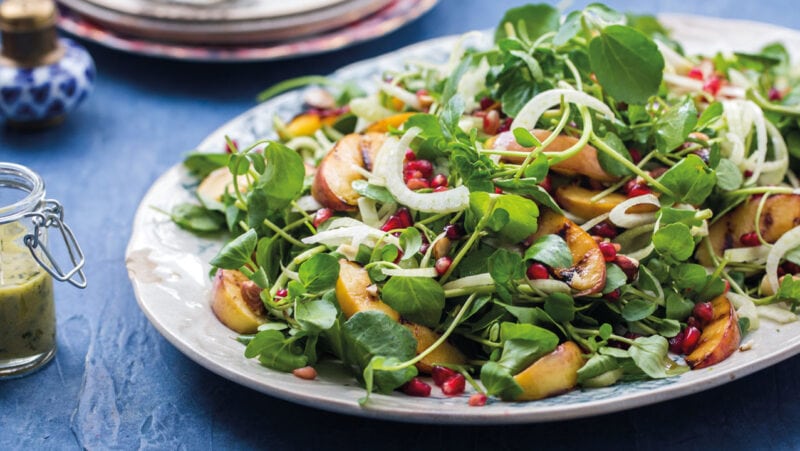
[27, 270]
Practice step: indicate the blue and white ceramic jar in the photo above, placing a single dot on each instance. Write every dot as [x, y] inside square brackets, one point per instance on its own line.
[42, 77]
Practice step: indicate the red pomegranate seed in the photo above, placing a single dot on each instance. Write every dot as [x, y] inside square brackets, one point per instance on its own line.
[612, 296]
[322, 215]
[537, 271]
[712, 85]
[443, 264]
[477, 400]
[455, 385]
[676, 343]
[491, 122]
[790, 268]
[453, 231]
[749, 239]
[399, 220]
[604, 230]
[747, 174]
[506, 125]
[691, 336]
[639, 190]
[415, 184]
[439, 180]
[416, 387]
[695, 73]
[727, 286]
[441, 374]
[486, 103]
[412, 174]
[692, 322]
[423, 166]
[775, 95]
[546, 184]
[608, 250]
[306, 372]
[410, 155]
[703, 311]
[636, 156]
[280, 294]
[498, 190]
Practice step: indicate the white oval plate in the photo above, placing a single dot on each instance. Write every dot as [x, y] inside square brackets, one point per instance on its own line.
[169, 271]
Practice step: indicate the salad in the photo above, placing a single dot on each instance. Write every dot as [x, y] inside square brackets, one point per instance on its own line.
[578, 203]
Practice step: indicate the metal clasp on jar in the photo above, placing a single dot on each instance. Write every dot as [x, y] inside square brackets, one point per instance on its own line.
[52, 215]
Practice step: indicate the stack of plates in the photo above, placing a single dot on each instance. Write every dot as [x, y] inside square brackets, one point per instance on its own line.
[235, 29]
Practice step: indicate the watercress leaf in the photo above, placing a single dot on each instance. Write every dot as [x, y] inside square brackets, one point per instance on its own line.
[729, 177]
[284, 175]
[525, 138]
[268, 256]
[257, 208]
[522, 214]
[598, 16]
[535, 19]
[316, 315]
[615, 278]
[709, 115]
[505, 267]
[530, 189]
[238, 164]
[596, 366]
[605, 331]
[237, 252]
[450, 116]
[378, 374]
[371, 191]
[649, 354]
[666, 327]
[614, 352]
[608, 163]
[201, 163]
[418, 299]
[688, 275]
[295, 289]
[678, 307]
[669, 215]
[319, 272]
[714, 287]
[674, 240]
[411, 242]
[537, 169]
[568, 29]
[690, 180]
[275, 351]
[627, 63]
[373, 333]
[674, 126]
[560, 306]
[197, 219]
[551, 250]
[499, 381]
[638, 309]
[523, 344]
[260, 278]
[531, 315]
[788, 290]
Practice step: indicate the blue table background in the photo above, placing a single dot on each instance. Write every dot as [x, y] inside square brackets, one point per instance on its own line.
[116, 383]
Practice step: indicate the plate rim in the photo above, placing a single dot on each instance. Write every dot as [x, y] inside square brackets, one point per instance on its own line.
[708, 378]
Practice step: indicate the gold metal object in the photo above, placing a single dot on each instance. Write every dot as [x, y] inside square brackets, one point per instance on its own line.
[28, 29]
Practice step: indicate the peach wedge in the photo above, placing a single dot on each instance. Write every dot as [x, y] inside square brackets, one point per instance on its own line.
[341, 167]
[553, 374]
[229, 304]
[720, 337]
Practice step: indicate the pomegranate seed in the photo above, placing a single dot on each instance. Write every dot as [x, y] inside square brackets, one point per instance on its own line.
[676, 343]
[749, 239]
[695, 73]
[639, 190]
[790, 268]
[608, 250]
[280, 294]
[441, 374]
[612, 296]
[424, 166]
[439, 189]
[546, 184]
[604, 230]
[636, 156]
[412, 174]
[727, 286]
[322, 215]
[486, 103]
[416, 387]
[748, 173]
[306, 372]
[455, 385]
[454, 231]
[491, 122]
[443, 264]
[537, 271]
[415, 184]
[477, 400]
[439, 180]
[399, 220]
[498, 190]
[691, 336]
[712, 85]
[692, 322]
[423, 248]
[410, 155]
[775, 95]
[506, 125]
[703, 311]
[780, 271]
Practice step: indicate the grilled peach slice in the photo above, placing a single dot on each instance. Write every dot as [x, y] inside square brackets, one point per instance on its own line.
[353, 297]
[553, 374]
[394, 121]
[720, 337]
[587, 274]
[218, 182]
[584, 162]
[230, 304]
[340, 167]
[781, 213]
[577, 201]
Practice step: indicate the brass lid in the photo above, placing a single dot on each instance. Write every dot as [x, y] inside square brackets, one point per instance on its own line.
[26, 15]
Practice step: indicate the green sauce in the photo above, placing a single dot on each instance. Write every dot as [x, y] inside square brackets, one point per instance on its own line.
[27, 312]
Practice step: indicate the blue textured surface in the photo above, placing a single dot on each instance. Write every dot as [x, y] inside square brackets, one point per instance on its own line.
[116, 383]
